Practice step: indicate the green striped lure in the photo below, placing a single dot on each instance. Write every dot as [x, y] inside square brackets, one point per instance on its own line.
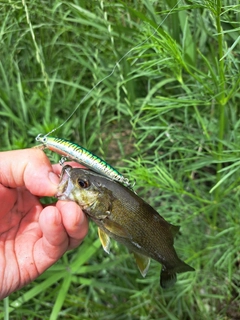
[81, 155]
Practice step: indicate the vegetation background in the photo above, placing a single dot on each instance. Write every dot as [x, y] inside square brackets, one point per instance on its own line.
[168, 117]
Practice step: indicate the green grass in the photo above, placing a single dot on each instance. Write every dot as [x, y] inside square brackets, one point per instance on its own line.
[168, 117]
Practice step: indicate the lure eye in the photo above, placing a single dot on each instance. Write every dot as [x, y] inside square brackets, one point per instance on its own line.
[83, 183]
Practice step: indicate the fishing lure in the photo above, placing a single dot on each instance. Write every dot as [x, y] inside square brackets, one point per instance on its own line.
[81, 155]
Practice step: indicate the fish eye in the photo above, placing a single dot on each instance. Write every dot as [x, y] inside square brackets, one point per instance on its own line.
[83, 183]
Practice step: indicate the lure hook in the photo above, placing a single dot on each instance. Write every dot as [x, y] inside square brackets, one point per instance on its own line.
[62, 160]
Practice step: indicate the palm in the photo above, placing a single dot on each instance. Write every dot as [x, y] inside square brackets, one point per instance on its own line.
[27, 251]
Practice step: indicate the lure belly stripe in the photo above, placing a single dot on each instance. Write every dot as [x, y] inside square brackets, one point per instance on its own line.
[81, 155]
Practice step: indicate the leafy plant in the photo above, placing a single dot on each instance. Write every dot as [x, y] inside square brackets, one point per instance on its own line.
[167, 116]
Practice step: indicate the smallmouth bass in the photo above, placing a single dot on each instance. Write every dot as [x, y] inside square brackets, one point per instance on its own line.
[122, 215]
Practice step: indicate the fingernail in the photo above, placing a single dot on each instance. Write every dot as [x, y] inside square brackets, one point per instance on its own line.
[53, 178]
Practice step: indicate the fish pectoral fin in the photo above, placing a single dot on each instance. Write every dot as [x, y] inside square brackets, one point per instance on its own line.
[115, 228]
[105, 240]
[143, 263]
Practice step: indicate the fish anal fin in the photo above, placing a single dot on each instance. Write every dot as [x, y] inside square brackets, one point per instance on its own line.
[143, 263]
[105, 240]
[115, 228]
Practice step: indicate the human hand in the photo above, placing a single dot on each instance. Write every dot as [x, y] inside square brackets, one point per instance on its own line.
[33, 236]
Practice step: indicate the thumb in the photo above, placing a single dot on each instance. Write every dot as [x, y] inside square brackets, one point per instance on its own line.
[29, 168]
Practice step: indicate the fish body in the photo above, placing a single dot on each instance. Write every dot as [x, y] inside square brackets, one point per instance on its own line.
[81, 155]
[122, 215]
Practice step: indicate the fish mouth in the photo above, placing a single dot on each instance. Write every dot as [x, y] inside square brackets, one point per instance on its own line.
[67, 190]
[65, 186]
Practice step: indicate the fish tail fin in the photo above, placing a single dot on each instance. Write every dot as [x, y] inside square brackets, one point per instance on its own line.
[168, 277]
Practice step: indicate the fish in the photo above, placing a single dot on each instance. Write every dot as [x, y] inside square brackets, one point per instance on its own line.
[73, 151]
[122, 215]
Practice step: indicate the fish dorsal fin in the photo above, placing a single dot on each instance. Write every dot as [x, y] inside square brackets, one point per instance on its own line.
[174, 230]
[143, 263]
[116, 228]
[105, 240]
